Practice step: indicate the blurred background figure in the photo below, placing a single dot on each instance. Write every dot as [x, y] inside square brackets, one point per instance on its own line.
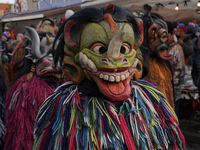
[8, 29]
[20, 37]
[48, 26]
[68, 13]
[196, 67]
[186, 43]
[192, 22]
[5, 57]
[177, 62]
[192, 33]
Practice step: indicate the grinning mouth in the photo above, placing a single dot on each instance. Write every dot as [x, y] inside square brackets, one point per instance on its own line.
[113, 82]
[111, 75]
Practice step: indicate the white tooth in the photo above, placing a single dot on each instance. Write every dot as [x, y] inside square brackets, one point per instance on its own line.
[112, 79]
[135, 63]
[43, 70]
[127, 74]
[117, 78]
[123, 77]
[84, 60]
[91, 65]
[105, 77]
[81, 57]
[101, 76]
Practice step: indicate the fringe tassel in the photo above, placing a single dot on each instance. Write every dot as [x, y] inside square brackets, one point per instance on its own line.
[127, 136]
[72, 143]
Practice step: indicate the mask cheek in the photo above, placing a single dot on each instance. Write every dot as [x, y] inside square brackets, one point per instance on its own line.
[72, 70]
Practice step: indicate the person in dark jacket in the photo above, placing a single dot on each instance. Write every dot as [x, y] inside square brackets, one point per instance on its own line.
[192, 33]
[186, 43]
[196, 69]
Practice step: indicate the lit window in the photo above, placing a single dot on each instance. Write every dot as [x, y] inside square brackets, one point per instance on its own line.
[53, 1]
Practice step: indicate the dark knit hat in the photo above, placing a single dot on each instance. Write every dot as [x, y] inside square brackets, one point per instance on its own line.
[9, 25]
[184, 28]
[191, 30]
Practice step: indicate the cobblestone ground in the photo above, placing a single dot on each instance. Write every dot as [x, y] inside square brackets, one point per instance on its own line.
[192, 134]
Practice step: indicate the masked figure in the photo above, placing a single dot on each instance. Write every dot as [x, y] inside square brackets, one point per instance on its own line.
[157, 60]
[47, 25]
[35, 80]
[103, 106]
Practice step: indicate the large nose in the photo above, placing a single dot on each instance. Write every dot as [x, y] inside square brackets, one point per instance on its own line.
[115, 44]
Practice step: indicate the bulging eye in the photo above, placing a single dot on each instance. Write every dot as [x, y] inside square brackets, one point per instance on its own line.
[50, 57]
[125, 49]
[164, 37]
[98, 48]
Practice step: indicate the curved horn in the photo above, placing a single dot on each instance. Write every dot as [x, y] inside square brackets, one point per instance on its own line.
[35, 43]
[115, 44]
[49, 41]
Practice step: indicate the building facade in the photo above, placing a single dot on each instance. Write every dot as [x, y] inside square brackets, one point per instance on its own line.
[45, 4]
[25, 5]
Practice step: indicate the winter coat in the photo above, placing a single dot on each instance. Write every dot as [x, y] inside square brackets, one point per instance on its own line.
[196, 70]
[188, 48]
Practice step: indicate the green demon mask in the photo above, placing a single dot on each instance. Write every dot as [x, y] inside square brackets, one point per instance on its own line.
[104, 49]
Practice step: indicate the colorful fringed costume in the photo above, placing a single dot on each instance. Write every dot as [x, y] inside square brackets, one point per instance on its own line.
[29, 91]
[105, 105]
[77, 121]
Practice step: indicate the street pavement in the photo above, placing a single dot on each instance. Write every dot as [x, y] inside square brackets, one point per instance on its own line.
[192, 133]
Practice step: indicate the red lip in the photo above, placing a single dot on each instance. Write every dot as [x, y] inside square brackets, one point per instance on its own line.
[164, 55]
[53, 71]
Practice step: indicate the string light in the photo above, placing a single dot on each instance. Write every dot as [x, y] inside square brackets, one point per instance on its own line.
[198, 3]
[177, 8]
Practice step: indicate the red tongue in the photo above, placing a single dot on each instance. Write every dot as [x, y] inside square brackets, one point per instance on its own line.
[116, 88]
[114, 91]
[164, 53]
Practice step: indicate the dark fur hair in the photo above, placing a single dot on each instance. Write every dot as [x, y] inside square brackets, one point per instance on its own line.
[89, 15]
[149, 19]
